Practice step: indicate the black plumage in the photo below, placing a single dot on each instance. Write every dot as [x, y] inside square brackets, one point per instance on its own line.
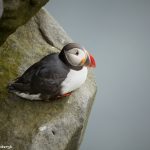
[44, 77]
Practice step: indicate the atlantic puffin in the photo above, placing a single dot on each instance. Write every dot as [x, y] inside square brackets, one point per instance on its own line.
[54, 76]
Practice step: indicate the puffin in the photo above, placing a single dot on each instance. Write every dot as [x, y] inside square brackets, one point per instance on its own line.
[56, 75]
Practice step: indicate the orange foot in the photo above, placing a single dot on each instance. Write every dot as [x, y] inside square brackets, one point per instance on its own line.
[64, 95]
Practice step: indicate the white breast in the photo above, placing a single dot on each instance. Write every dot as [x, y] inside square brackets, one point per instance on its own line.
[74, 80]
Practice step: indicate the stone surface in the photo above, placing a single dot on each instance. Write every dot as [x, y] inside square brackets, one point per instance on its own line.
[17, 13]
[40, 125]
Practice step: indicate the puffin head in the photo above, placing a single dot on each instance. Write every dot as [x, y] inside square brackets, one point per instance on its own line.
[76, 56]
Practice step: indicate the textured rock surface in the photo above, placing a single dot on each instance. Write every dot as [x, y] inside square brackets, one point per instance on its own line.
[39, 125]
[16, 13]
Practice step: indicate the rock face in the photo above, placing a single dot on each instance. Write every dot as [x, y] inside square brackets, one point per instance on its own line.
[39, 125]
[17, 13]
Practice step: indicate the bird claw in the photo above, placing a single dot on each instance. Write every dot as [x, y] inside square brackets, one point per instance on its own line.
[64, 95]
[67, 94]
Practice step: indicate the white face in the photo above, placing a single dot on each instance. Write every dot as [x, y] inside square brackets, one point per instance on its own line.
[76, 56]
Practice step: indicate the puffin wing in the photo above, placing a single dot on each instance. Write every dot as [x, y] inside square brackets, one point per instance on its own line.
[47, 80]
[28, 74]
[22, 83]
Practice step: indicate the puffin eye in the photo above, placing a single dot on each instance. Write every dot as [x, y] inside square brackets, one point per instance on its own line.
[77, 52]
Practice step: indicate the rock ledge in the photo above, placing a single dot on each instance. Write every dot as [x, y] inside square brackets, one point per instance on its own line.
[38, 125]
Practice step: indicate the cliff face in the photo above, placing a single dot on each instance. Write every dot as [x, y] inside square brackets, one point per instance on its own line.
[40, 125]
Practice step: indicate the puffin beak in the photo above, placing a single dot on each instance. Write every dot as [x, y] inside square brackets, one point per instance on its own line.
[89, 61]
[83, 61]
[92, 61]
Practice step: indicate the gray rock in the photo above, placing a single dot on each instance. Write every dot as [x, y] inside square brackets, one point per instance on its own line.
[39, 125]
[17, 13]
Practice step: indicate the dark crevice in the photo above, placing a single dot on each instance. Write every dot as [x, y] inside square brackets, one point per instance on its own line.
[53, 132]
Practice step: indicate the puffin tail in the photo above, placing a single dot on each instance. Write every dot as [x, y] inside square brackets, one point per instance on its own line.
[18, 87]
